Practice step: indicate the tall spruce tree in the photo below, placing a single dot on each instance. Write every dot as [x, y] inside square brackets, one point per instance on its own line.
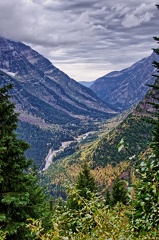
[85, 182]
[119, 192]
[146, 203]
[21, 197]
[85, 188]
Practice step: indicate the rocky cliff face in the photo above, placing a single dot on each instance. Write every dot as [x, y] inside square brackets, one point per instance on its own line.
[126, 87]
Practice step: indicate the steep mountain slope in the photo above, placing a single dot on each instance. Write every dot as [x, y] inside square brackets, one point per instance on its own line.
[126, 87]
[53, 107]
[44, 82]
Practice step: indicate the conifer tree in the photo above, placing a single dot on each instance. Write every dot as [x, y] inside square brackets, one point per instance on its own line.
[84, 189]
[107, 197]
[20, 195]
[119, 192]
[85, 182]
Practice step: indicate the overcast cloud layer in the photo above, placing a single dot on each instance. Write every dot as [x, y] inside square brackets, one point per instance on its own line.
[84, 38]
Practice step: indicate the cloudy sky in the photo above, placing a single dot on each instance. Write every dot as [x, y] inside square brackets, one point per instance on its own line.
[84, 38]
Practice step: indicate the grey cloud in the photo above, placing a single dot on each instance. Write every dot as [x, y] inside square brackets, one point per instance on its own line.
[87, 34]
[144, 8]
[69, 5]
[141, 14]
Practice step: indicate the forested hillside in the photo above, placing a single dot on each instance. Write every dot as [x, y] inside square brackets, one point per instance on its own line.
[135, 130]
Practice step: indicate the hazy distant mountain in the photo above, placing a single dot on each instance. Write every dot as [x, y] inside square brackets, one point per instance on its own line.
[126, 87]
[86, 84]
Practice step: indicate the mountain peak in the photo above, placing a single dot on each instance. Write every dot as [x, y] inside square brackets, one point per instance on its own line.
[126, 87]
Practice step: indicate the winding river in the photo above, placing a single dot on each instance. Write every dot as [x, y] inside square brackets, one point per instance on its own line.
[52, 153]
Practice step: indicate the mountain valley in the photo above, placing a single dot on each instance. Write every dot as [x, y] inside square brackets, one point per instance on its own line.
[101, 152]
[53, 107]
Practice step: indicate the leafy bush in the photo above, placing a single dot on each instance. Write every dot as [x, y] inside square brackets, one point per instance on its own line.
[146, 202]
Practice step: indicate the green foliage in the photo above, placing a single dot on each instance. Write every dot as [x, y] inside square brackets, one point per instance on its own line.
[146, 203]
[20, 196]
[2, 235]
[92, 221]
